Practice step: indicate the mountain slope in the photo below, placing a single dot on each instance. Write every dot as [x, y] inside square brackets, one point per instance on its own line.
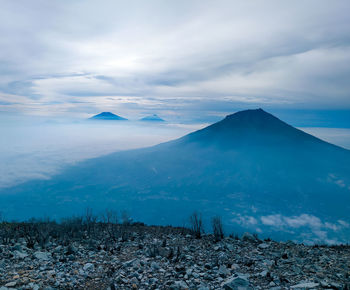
[254, 170]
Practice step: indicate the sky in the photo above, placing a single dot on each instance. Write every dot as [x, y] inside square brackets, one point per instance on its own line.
[184, 60]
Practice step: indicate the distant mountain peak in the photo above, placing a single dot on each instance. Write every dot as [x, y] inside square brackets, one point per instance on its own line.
[153, 118]
[107, 116]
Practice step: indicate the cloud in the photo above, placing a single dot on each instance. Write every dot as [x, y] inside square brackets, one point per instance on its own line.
[231, 52]
[319, 230]
[273, 220]
[303, 220]
[343, 223]
[246, 221]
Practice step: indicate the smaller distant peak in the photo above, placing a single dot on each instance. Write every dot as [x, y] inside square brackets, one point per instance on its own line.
[107, 116]
[154, 118]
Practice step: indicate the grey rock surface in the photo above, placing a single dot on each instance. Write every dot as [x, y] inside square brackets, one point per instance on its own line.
[133, 260]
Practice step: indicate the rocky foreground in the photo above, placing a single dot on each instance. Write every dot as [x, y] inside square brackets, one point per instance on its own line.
[153, 258]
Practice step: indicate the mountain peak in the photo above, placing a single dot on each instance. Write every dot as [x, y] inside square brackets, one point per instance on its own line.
[257, 118]
[251, 113]
[107, 116]
[251, 128]
[154, 118]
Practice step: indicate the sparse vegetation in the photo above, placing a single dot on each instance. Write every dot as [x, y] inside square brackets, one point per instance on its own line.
[196, 225]
[218, 229]
[88, 229]
[97, 252]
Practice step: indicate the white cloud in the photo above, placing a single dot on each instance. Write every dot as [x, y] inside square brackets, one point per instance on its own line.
[273, 220]
[318, 230]
[246, 221]
[344, 223]
[303, 220]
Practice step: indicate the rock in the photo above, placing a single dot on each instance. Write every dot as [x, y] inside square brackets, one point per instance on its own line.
[43, 256]
[129, 263]
[179, 285]
[306, 285]
[155, 266]
[164, 252]
[58, 249]
[19, 255]
[223, 271]
[71, 250]
[248, 237]
[134, 280]
[263, 246]
[237, 283]
[11, 284]
[34, 286]
[89, 267]
[193, 264]
[222, 258]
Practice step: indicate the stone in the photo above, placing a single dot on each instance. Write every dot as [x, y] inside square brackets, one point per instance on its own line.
[223, 271]
[34, 286]
[263, 246]
[237, 283]
[129, 263]
[19, 255]
[193, 264]
[179, 285]
[306, 285]
[43, 256]
[155, 266]
[11, 284]
[248, 237]
[89, 267]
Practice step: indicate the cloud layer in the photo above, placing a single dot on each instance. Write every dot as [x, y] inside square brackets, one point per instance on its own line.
[81, 57]
[318, 231]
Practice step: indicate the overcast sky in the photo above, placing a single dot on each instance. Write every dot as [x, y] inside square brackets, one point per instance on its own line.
[174, 58]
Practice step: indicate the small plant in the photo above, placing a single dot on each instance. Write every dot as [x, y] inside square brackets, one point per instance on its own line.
[218, 230]
[196, 225]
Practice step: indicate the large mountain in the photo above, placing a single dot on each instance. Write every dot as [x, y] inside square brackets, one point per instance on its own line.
[257, 172]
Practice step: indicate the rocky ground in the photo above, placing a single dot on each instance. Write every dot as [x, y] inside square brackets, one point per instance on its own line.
[164, 260]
